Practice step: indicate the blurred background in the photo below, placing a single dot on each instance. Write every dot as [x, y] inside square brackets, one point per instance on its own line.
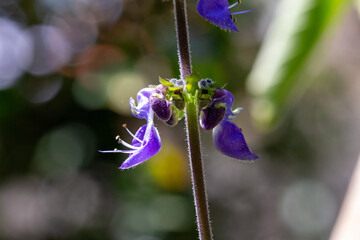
[68, 68]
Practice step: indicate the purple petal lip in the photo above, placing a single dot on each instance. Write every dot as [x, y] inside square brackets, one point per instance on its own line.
[149, 145]
[229, 140]
[148, 148]
[217, 12]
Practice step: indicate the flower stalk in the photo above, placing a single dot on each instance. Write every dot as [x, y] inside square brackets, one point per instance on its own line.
[192, 125]
[197, 173]
[182, 35]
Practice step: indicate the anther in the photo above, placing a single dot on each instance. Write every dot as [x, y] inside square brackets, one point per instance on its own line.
[117, 138]
[131, 134]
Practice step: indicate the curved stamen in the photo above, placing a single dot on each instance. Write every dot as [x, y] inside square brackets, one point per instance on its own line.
[242, 12]
[120, 141]
[124, 126]
[233, 5]
[118, 151]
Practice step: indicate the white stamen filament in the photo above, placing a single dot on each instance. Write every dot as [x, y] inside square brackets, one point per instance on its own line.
[242, 12]
[233, 5]
[117, 151]
[127, 145]
[124, 126]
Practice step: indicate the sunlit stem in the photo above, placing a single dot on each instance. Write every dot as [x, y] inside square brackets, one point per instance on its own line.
[182, 35]
[197, 173]
[192, 125]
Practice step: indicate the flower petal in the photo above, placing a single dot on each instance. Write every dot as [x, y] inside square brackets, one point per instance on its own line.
[229, 140]
[143, 108]
[217, 12]
[211, 116]
[161, 107]
[149, 146]
[222, 95]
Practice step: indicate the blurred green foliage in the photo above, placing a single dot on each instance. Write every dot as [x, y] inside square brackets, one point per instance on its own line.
[283, 66]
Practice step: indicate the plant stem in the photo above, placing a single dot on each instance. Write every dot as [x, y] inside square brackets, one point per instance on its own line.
[192, 125]
[197, 173]
[182, 35]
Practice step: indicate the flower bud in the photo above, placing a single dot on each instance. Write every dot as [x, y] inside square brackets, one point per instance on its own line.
[161, 107]
[211, 115]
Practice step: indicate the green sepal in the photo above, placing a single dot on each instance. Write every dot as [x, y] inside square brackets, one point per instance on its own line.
[165, 82]
[175, 88]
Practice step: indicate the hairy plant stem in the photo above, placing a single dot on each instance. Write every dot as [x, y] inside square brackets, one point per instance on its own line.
[197, 173]
[192, 125]
[182, 35]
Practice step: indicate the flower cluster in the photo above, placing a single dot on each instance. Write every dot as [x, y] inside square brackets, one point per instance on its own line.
[167, 101]
[218, 13]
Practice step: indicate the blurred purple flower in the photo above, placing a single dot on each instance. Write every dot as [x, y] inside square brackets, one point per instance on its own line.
[228, 137]
[218, 13]
[146, 141]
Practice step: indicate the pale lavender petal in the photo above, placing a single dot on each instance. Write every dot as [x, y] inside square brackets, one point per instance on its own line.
[149, 146]
[229, 140]
[143, 100]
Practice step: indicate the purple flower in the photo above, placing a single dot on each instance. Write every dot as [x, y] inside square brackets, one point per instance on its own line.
[146, 141]
[228, 137]
[218, 13]
[216, 113]
[212, 114]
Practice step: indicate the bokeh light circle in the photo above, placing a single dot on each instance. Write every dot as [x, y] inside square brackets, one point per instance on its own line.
[51, 49]
[15, 51]
[308, 207]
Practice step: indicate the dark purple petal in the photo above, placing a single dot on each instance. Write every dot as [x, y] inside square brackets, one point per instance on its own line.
[217, 12]
[149, 146]
[161, 107]
[229, 140]
[210, 116]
